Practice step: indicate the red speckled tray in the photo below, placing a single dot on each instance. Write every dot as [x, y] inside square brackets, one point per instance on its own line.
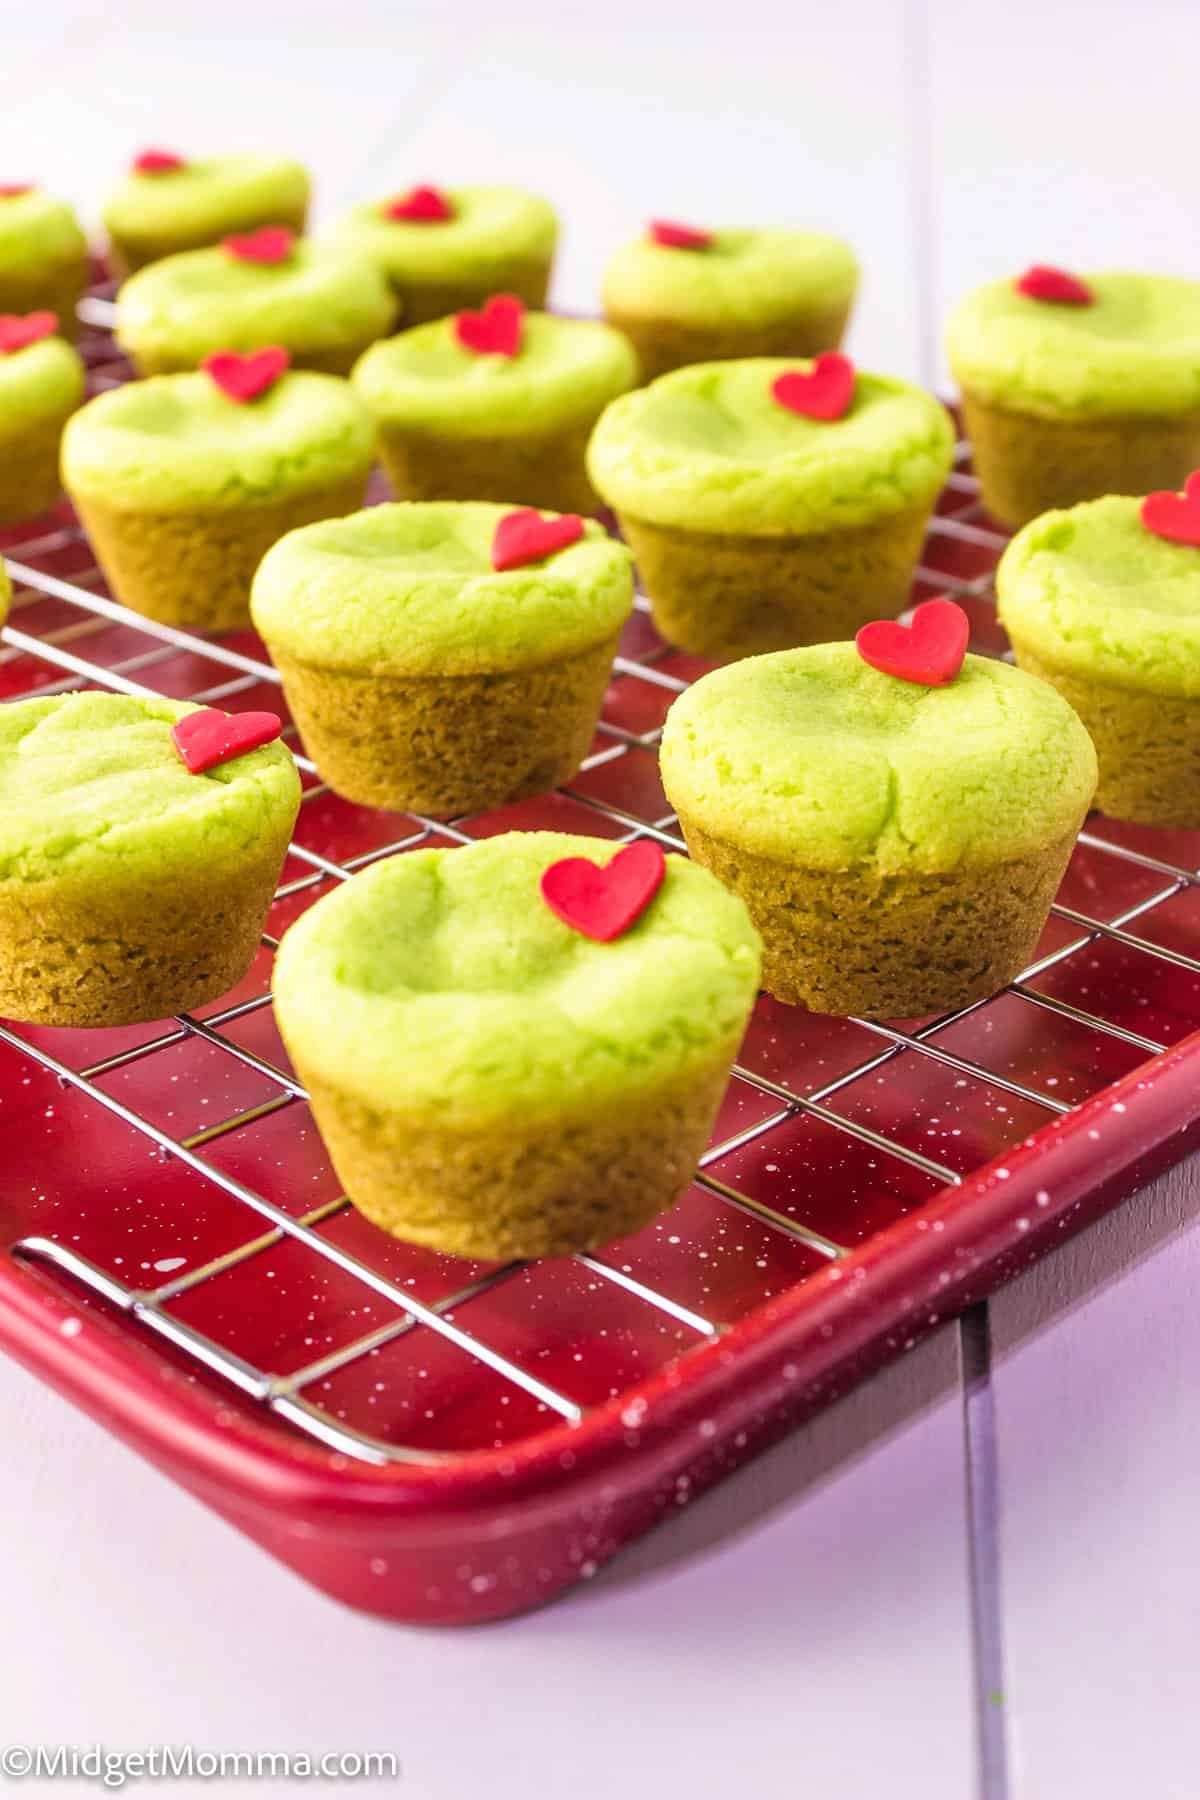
[445, 1441]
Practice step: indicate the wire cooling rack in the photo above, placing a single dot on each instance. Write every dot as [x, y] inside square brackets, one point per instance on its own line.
[169, 1178]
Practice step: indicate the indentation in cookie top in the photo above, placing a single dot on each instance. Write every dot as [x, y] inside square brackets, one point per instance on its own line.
[1093, 592]
[710, 448]
[745, 277]
[177, 440]
[210, 196]
[462, 993]
[488, 227]
[40, 382]
[812, 755]
[91, 784]
[36, 230]
[411, 588]
[566, 371]
[1134, 349]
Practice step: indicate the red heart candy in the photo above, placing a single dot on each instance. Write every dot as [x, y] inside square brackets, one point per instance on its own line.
[824, 392]
[19, 330]
[246, 377]
[1175, 516]
[525, 537]
[495, 331]
[157, 162]
[424, 205]
[269, 244]
[673, 236]
[208, 737]
[1058, 286]
[603, 902]
[930, 651]
[10, 190]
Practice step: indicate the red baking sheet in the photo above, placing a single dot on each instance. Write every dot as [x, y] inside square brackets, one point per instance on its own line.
[440, 1441]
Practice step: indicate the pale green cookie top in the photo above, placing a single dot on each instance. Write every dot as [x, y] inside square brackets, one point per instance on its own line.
[5, 593]
[409, 588]
[744, 278]
[187, 306]
[39, 383]
[177, 441]
[208, 197]
[566, 370]
[36, 230]
[813, 757]
[1092, 592]
[91, 789]
[491, 227]
[440, 983]
[1135, 351]
[708, 448]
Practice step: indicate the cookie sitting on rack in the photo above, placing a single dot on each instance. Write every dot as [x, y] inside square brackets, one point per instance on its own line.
[43, 254]
[166, 203]
[41, 384]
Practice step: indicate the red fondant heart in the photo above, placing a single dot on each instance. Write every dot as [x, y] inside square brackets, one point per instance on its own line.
[603, 902]
[157, 162]
[422, 205]
[270, 244]
[496, 331]
[823, 392]
[246, 377]
[1058, 286]
[930, 651]
[18, 330]
[10, 190]
[673, 236]
[525, 537]
[208, 737]
[1175, 516]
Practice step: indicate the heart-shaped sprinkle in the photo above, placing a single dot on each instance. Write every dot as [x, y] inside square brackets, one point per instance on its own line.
[19, 330]
[822, 392]
[270, 244]
[601, 903]
[929, 652]
[524, 537]
[421, 206]
[208, 737]
[496, 331]
[157, 162]
[1058, 286]
[244, 378]
[673, 236]
[12, 190]
[1175, 516]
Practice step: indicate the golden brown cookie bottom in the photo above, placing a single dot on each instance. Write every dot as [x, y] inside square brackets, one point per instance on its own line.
[29, 480]
[1027, 465]
[725, 595]
[666, 344]
[55, 286]
[521, 1190]
[121, 951]
[1148, 746]
[421, 302]
[451, 744]
[128, 252]
[547, 471]
[194, 568]
[888, 946]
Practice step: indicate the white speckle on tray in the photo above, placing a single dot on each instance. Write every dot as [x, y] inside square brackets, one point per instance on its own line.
[71, 1327]
[167, 1263]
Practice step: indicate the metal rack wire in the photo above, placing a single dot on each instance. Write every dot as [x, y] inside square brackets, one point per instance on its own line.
[231, 674]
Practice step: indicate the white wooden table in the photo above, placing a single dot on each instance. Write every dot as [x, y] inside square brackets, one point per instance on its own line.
[835, 1619]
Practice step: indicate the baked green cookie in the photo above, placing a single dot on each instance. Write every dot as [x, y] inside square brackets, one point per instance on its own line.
[160, 212]
[766, 292]
[898, 846]
[1109, 613]
[459, 425]
[496, 240]
[1065, 403]
[40, 387]
[490, 1082]
[183, 489]
[424, 680]
[43, 256]
[129, 888]
[754, 527]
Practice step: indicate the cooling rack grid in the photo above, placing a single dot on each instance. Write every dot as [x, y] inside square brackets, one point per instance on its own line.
[442, 1440]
